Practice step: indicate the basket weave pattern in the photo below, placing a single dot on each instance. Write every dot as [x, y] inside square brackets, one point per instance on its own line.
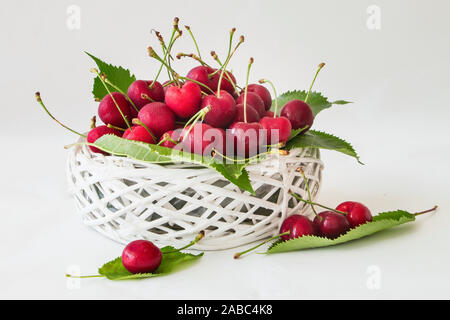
[125, 199]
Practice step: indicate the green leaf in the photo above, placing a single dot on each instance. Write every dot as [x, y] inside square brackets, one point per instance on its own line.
[296, 132]
[322, 140]
[234, 172]
[316, 100]
[380, 222]
[114, 270]
[119, 76]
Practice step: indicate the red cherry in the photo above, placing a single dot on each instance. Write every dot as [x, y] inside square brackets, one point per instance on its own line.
[226, 84]
[269, 114]
[280, 124]
[139, 87]
[201, 74]
[168, 136]
[357, 213]
[297, 226]
[138, 133]
[158, 118]
[223, 109]
[184, 101]
[331, 224]
[98, 132]
[108, 112]
[245, 138]
[252, 114]
[253, 100]
[299, 113]
[202, 138]
[262, 92]
[141, 256]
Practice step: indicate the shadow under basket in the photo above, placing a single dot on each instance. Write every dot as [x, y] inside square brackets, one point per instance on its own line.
[126, 199]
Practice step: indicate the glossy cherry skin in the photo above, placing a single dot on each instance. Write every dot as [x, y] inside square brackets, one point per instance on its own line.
[269, 114]
[184, 101]
[297, 226]
[141, 256]
[201, 74]
[357, 213]
[110, 114]
[253, 100]
[226, 84]
[169, 137]
[139, 87]
[98, 132]
[299, 113]
[223, 109]
[252, 114]
[262, 92]
[158, 117]
[202, 138]
[280, 124]
[245, 138]
[331, 224]
[138, 133]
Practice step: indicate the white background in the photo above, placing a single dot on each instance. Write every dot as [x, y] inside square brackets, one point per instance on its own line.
[397, 76]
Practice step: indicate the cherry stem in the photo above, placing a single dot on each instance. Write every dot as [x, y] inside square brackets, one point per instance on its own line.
[102, 79]
[168, 83]
[314, 80]
[169, 48]
[39, 100]
[315, 204]
[114, 127]
[146, 97]
[237, 255]
[230, 54]
[166, 137]
[84, 277]
[197, 82]
[93, 122]
[193, 56]
[274, 92]
[154, 55]
[426, 211]
[121, 91]
[195, 118]
[165, 57]
[197, 239]
[235, 86]
[138, 122]
[246, 89]
[195, 42]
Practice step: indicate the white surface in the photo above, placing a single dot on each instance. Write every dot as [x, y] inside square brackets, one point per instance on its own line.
[397, 76]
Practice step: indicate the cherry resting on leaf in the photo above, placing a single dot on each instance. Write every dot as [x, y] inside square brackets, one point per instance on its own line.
[331, 224]
[253, 100]
[246, 138]
[262, 92]
[141, 256]
[110, 114]
[297, 226]
[299, 114]
[357, 213]
[98, 132]
[223, 109]
[138, 133]
[140, 87]
[280, 124]
[158, 118]
[169, 138]
[184, 101]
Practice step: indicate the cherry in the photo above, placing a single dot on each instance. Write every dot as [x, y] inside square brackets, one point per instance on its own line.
[297, 226]
[138, 133]
[269, 114]
[202, 75]
[223, 109]
[184, 101]
[169, 138]
[280, 124]
[98, 132]
[226, 84]
[357, 213]
[253, 100]
[299, 114]
[262, 92]
[331, 224]
[245, 138]
[109, 112]
[139, 87]
[141, 256]
[158, 118]
[201, 138]
[252, 114]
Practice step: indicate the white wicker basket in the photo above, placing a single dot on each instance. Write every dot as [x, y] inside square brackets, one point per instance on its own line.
[125, 199]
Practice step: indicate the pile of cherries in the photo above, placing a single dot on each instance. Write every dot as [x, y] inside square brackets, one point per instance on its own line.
[203, 111]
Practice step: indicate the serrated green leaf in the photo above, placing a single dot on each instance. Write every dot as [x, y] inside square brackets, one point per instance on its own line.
[322, 140]
[233, 172]
[380, 222]
[316, 100]
[119, 76]
[114, 270]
